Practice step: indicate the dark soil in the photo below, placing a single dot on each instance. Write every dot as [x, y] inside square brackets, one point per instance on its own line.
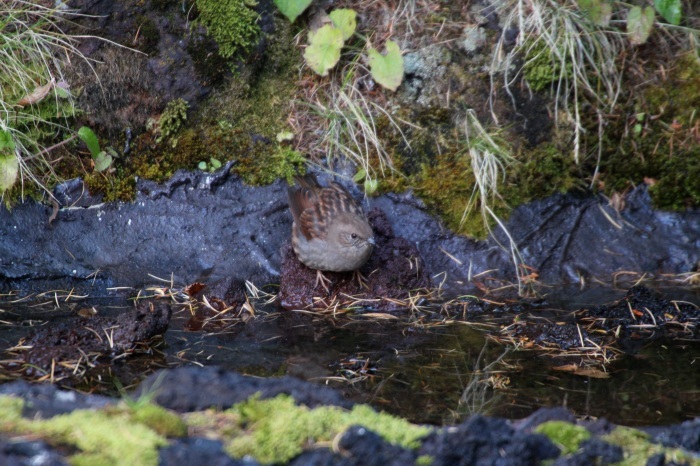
[393, 271]
[81, 348]
[604, 332]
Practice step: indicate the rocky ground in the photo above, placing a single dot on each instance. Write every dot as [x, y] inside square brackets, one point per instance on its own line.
[551, 435]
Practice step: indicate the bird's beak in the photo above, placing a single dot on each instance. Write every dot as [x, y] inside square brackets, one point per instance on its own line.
[371, 241]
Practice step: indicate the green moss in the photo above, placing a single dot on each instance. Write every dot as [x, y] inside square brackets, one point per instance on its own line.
[638, 449]
[157, 418]
[278, 429]
[542, 67]
[108, 437]
[446, 187]
[564, 434]
[425, 460]
[545, 170]
[114, 187]
[261, 167]
[172, 118]
[232, 23]
[657, 142]
[10, 413]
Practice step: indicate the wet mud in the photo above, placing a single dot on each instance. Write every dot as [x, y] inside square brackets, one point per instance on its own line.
[394, 274]
[80, 350]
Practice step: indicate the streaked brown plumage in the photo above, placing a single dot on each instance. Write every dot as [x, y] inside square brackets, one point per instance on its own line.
[330, 230]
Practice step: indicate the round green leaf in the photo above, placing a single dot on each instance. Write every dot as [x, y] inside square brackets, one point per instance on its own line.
[323, 52]
[102, 161]
[202, 165]
[599, 11]
[387, 69]
[371, 186]
[292, 8]
[9, 167]
[360, 175]
[285, 136]
[6, 141]
[215, 163]
[670, 10]
[344, 19]
[639, 24]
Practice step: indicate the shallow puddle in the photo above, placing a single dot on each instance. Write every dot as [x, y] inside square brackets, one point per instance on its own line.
[428, 373]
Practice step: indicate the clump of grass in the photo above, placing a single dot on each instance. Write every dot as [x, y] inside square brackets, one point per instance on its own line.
[489, 158]
[346, 123]
[34, 103]
[582, 54]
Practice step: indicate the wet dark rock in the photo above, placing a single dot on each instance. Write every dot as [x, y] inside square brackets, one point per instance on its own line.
[205, 227]
[198, 452]
[544, 415]
[685, 435]
[26, 453]
[484, 441]
[186, 389]
[46, 400]
[366, 447]
[394, 269]
[358, 447]
[320, 457]
[61, 348]
[593, 451]
[567, 237]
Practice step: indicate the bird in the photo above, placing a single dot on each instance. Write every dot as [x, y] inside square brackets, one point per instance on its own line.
[330, 232]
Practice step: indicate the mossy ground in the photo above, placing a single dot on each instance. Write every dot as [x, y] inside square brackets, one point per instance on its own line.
[118, 435]
[653, 136]
[273, 430]
[276, 430]
[240, 121]
[656, 139]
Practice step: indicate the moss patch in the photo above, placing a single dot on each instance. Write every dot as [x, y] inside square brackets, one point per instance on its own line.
[565, 435]
[655, 139]
[542, 67]
[277, 430]
[638, 448]
[232, 23]
[115, 436]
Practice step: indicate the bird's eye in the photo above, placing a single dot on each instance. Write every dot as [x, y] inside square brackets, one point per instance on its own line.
[353, 236]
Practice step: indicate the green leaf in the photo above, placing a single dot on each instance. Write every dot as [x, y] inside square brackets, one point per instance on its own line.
[6, 141]
[202, 166]
[89, 138]
[215, 164]
[598, 11]
[360, 175]
[670, 10]
[323, 52]
[344, 19]
[285, 136]
[9, 167]
[371, 186]
[387, 69]
[292, 8]
[102, 161]
[639, 24]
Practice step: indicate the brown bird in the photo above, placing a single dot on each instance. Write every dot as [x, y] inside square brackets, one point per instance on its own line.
[330, 230]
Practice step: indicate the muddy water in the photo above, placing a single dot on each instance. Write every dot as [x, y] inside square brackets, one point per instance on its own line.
[430, 373]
